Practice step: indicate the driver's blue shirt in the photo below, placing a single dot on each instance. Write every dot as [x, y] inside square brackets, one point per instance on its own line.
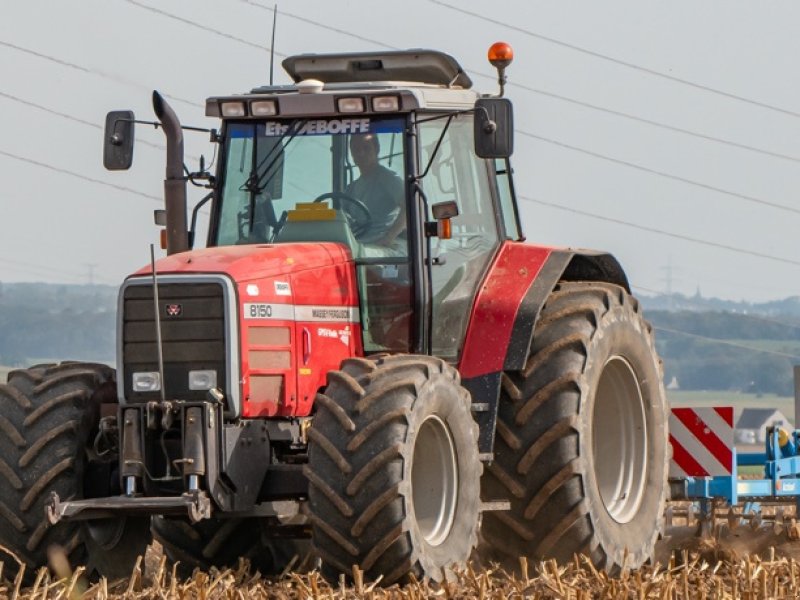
[381, 190]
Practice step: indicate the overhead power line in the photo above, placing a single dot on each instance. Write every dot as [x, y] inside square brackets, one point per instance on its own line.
[95, 72]
[197, 25]
[82, 121]
[522, 86]
[47, 57]
[660, 231]
[322, 25]
[638, 119]
[699, 184]
[617, 61]
[493, 77]
[49, 110]
[547, 140]
[69, 117]
[522, 132]
[43, 165]
[726, 342]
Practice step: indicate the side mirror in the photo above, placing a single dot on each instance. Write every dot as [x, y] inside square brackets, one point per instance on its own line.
[445, 210]
[118, 140]
[494, 128]
[441, 227]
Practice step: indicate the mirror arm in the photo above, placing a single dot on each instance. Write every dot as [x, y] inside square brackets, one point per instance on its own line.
[157, 124]
[196, 209]
[490, 126]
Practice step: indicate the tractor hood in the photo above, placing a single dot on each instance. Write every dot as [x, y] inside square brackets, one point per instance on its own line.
[244, 263]
[270, 321]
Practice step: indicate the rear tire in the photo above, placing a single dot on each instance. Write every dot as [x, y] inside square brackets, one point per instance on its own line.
[49, 416]
[394, 473]
[221, 542]
[582, 447]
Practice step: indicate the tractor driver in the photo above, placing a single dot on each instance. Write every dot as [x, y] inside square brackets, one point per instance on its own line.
[382, 191]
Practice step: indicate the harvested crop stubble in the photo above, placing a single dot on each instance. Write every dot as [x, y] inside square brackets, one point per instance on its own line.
[750, 578]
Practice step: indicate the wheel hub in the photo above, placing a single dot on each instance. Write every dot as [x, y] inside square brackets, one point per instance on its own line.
[619, 440]
[434, 480]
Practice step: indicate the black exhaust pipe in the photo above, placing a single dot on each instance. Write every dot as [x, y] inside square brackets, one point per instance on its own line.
[174, 184]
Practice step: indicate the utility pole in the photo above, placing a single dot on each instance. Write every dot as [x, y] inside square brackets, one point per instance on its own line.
[90, 272]
[667, 279]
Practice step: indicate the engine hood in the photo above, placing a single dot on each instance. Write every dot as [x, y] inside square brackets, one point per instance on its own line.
[243, 263]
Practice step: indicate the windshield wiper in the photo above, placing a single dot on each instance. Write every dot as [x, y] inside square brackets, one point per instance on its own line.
[260, 176]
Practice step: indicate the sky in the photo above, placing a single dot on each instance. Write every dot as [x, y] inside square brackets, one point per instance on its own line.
[667, 133]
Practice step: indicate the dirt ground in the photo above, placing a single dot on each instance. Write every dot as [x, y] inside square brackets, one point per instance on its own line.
[767, 541]
[724, 544]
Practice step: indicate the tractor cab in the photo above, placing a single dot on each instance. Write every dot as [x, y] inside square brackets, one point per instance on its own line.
[391, 154]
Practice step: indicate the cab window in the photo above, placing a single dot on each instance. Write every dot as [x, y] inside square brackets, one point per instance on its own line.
[456, 173]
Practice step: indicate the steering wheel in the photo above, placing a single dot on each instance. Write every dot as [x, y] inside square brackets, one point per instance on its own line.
[360, 220]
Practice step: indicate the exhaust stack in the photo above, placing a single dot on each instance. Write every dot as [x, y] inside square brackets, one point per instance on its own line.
[174, 184]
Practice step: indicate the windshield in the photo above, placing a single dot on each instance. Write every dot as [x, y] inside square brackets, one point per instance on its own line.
[354, 165]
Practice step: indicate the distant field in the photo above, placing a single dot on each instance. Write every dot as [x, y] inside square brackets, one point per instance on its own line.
[4, 372]
[738, 400]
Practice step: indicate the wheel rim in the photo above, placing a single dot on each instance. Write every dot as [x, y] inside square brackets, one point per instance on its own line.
[434, 480]
[619, 440]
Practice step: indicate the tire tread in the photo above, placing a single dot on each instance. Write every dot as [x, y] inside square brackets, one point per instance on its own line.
[356, 501]
[537, 458]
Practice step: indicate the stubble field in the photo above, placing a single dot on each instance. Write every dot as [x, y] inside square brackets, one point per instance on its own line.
[753, 560]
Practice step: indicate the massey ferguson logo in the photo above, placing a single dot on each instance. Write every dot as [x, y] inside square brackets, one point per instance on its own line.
[174, 310]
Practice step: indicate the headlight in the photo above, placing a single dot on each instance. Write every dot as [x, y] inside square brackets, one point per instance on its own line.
[146, 382]
[202, 380]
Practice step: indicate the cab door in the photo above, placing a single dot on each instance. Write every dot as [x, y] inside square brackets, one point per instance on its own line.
[459, 263]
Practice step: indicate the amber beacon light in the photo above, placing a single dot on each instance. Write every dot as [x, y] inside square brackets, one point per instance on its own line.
[500, 55]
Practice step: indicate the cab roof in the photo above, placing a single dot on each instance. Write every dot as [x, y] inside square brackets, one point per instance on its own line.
[421, 79]
[415, 65]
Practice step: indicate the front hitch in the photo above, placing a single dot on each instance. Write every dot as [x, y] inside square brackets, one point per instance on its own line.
[196, 505]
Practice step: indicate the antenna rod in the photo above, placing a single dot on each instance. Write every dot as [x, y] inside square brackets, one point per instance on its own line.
[158, 323]
[272, 43]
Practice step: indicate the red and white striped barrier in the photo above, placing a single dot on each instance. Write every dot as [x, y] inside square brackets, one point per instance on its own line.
[702, 441]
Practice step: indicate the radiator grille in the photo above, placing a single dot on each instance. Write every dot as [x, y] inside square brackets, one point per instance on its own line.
[192, 334]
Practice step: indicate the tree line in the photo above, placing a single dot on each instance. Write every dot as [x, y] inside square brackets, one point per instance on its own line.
[78, 322]
[727, 351]
[56, 322]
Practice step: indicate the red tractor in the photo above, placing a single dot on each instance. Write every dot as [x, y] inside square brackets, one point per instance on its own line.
[366, 362]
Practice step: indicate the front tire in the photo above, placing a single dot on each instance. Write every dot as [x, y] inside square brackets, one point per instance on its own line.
[49, 417]
[582, 446]
[393, 469]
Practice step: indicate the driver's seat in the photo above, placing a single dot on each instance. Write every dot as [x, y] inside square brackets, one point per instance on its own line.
[316, 222]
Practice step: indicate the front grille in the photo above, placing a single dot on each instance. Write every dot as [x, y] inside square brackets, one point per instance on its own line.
[192, 334]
